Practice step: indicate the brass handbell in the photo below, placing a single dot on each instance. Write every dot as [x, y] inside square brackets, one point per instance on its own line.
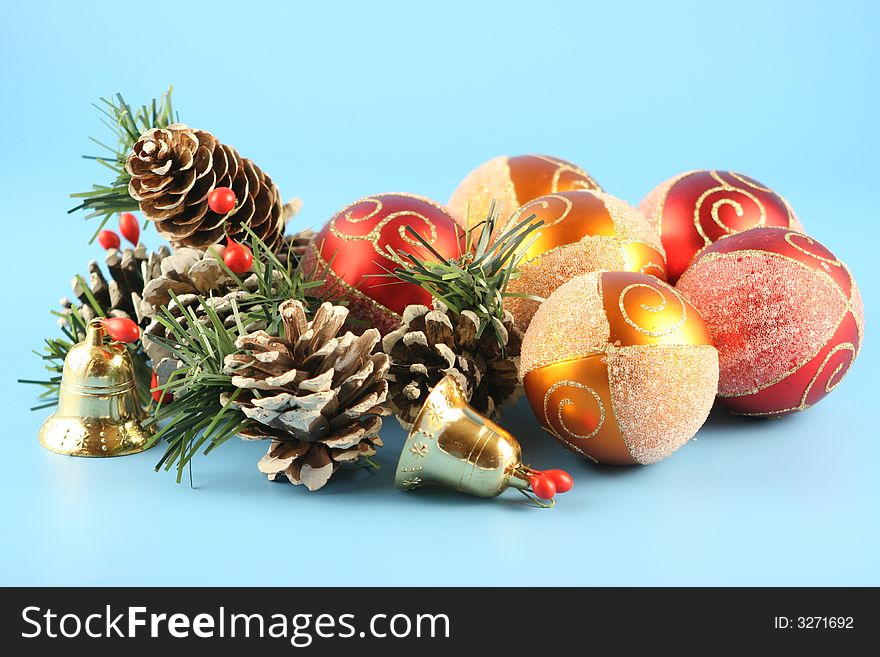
[452, 445]
[99, 413]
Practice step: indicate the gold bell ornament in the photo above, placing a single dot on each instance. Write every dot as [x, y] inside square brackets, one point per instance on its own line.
[453, 446]
[99, 412]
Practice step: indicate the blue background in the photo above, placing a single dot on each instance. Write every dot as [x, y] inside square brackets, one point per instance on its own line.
[339, 100]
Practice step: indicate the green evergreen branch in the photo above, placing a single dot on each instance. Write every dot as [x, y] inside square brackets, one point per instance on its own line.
[55, 351]
[196, 416]
[127, 125]
[197, 420]
[478, 279]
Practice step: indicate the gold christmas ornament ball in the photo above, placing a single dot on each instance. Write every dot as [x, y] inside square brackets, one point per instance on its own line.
[511, 182]
[582, 232]
[619, 367]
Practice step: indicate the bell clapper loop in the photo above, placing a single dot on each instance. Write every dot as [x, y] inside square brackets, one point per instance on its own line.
[95, 333]
[520, 479]
[537, 501]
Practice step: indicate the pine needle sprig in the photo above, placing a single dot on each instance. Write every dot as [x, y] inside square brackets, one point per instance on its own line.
[276, 283]
[55, 350]
[197, 417]
[197, 421]
[127, 125]
[476, 280]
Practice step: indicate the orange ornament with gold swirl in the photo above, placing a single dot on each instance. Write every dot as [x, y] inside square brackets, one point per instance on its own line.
[694, 209]
[351, 253]
[511, 182]
[582, 232]
[619, 368]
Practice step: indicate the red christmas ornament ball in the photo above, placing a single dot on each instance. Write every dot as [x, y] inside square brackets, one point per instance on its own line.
[351, 253]
[694, 209]
[785, 314]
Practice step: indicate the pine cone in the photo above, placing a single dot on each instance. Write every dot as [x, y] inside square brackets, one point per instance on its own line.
[433, 343]
[174, 170]
[179, 309]
[186, 271]
[120, 296]
[317, 395]
[294, 247]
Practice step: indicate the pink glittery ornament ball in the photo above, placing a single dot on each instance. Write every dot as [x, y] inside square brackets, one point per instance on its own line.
[784, 313]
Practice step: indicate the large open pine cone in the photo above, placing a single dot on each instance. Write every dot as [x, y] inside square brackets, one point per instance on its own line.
[174, 170]
[432, 343]
[317, 395]
[121, 295]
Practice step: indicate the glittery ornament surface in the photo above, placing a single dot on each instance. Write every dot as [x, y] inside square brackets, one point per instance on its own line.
[487, 183]
[511, 182]
[351, 251]
[694, 209]
[661, 395]
[573, 325]
[618, 367]
[582, 231]
[785, 314]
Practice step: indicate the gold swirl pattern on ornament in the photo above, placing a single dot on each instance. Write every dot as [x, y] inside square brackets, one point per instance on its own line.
[566, 167]
[755, 185]
[669, 330]
[568, 402]
[751, 183]
[545, 204]
[724, 186]
[849, 346]
[829, 386]
[375, 235]
[790, 237]
[644, 269]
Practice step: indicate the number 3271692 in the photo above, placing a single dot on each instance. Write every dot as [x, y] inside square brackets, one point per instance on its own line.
[825, 622]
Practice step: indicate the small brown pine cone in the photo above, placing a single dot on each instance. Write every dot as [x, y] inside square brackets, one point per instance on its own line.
[120, 295]
[173, 172]
[316, 394]
[294, 247]
[432, 343]
[186, 271]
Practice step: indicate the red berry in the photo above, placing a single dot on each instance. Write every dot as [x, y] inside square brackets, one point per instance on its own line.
[238, 257]
[159, 396]
[222, 200]
[108, 239]
[542, 486]
[121, 329]
[129, 227]
[562, 479]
